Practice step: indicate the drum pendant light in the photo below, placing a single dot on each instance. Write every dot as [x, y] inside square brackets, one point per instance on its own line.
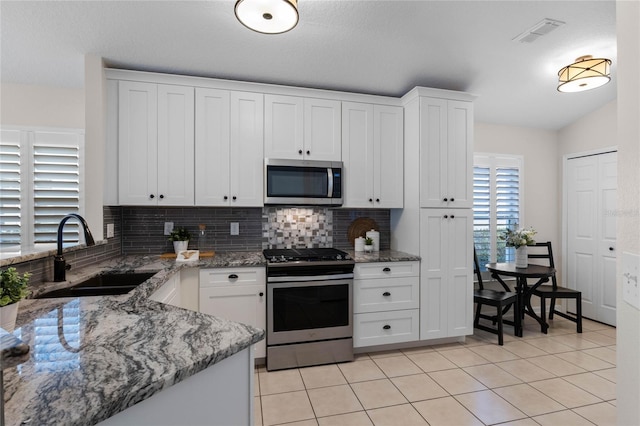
[585, 74]
[267, 16]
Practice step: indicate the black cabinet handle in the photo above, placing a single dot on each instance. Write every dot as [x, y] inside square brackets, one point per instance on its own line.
[452, 216]
[233, 277]
[371, 200]
[445, 199]
[452, 200]
[261, 294]
[300, 151]
[161, 196]
[446, 216]
[234, 198]
[377, 200]
[611, 249]
[386, 293]
[386, 270]
[226, 198]
[387, 327]
[308, 152]
[152, 196]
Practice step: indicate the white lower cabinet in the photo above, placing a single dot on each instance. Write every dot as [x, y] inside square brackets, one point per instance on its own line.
[236, 294]
[385, 303]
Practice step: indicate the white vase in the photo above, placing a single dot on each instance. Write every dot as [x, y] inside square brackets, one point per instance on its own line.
[8, 316]
[522, 261]
[179, 246]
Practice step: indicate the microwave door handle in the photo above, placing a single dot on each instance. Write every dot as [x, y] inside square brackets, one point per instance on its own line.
[330, 186]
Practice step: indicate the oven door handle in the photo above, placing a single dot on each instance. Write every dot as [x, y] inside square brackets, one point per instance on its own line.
[309, 278]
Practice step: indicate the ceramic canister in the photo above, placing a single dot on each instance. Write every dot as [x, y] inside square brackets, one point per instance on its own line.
[359, 244]
[375, 236]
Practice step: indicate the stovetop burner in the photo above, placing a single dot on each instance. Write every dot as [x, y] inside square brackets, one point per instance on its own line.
[305, 255]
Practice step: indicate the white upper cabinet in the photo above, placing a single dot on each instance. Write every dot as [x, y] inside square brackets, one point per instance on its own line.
[155, 144]
[372, 152]
[446, 153]
[302, 128]
[228, 148]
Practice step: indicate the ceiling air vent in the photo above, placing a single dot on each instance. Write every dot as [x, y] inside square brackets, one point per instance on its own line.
[543, 27]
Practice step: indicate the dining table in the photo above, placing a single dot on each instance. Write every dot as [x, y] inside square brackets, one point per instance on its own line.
[523, 288]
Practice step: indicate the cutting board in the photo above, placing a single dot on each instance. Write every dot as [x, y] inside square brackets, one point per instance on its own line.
[202, 254]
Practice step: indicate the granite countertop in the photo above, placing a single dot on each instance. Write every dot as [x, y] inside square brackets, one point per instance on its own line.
[382, 256]
[93, 357]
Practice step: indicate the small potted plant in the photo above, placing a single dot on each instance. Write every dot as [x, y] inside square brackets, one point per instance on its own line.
[180, 237]
[13, 288]
[368, 244]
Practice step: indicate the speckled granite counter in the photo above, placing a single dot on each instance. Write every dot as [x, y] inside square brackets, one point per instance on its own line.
[93, 357]
[382, 256]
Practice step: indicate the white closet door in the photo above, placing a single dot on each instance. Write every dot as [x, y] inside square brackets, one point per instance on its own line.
[591, 229]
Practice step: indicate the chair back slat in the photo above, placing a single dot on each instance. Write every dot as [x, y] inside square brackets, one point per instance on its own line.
[476, 269]
[548, 254]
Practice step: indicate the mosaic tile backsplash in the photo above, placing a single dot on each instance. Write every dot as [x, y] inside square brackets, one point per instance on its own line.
[296, 227]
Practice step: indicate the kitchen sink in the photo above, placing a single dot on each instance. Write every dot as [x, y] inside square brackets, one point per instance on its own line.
[102, 285]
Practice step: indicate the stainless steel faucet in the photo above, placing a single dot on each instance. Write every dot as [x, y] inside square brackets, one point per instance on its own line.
[59, 265]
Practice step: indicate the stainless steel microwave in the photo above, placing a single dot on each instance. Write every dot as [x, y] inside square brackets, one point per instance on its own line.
[302, 182]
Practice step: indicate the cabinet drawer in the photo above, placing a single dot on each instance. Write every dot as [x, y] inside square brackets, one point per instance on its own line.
[386, 270]
[381, 328]
[231, 276]
[387, 294]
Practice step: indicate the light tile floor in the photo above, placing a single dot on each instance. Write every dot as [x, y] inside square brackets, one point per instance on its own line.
[562, 378]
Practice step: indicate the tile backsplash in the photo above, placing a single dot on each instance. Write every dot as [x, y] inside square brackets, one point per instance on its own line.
[260, 228]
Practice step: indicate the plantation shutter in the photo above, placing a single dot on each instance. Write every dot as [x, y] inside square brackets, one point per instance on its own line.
[482, 213]
[507, 207]
[56, 185]
[10, 181]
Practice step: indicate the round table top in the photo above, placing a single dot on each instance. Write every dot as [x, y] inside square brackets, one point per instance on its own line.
[531, 271]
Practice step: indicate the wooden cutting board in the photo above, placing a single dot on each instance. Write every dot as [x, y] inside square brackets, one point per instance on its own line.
[202, 254]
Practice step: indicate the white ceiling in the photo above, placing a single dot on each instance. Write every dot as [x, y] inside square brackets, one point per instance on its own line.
[377, 47]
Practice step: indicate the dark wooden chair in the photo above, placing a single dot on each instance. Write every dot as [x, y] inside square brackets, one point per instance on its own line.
[501, 300]
[553, 291]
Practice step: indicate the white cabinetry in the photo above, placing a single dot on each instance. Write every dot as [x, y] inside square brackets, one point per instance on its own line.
[302, 128]
[155, 144]
[386, 301]
[372, 150]
[228, 148]
[446, 289]
[170, 292]
[446, 153]
[237, 294]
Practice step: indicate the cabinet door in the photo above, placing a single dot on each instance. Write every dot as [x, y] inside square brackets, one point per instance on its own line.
[322, 130]
[246, 150]
[459, 154]
[175, 146]
[212, 147]
[283, 137]
[460, 272]
[433, 273]
[357, 154]
[137, 143]
[244, 304]
[433, 152]
[388, 172]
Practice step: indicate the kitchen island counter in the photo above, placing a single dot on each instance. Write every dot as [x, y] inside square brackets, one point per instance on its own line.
[94, 357]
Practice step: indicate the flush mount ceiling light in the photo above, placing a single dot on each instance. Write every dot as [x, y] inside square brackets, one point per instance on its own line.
[267, 16]
[585, 74]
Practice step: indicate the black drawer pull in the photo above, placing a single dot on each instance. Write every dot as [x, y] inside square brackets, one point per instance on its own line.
[452, 200]
[452, 216]
[446, 217]
[161, 196]
[386, 293]
[386, 270]
[233, 277]
[261, 294]
[445, 199]
[308, 152]
[152, 196]
[387, 327]
[300, 151]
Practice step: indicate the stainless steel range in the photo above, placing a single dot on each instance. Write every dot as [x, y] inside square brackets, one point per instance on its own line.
[309, 307]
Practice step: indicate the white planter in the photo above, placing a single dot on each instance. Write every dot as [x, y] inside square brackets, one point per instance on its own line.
[8, 316]
[522, 261]
[368, 248]
[179, 246]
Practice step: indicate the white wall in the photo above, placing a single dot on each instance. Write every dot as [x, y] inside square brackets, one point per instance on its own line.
[592, 132]
[628, 233]
[42, 106]
[539, 149]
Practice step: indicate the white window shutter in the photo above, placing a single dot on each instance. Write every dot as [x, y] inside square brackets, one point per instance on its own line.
[10, 188]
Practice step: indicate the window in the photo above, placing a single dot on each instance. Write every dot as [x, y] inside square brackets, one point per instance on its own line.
[497, 204]
[41, 175]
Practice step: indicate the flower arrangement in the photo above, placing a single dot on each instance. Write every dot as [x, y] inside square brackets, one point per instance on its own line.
[180, 234]
[13, 286]
[519, 237]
